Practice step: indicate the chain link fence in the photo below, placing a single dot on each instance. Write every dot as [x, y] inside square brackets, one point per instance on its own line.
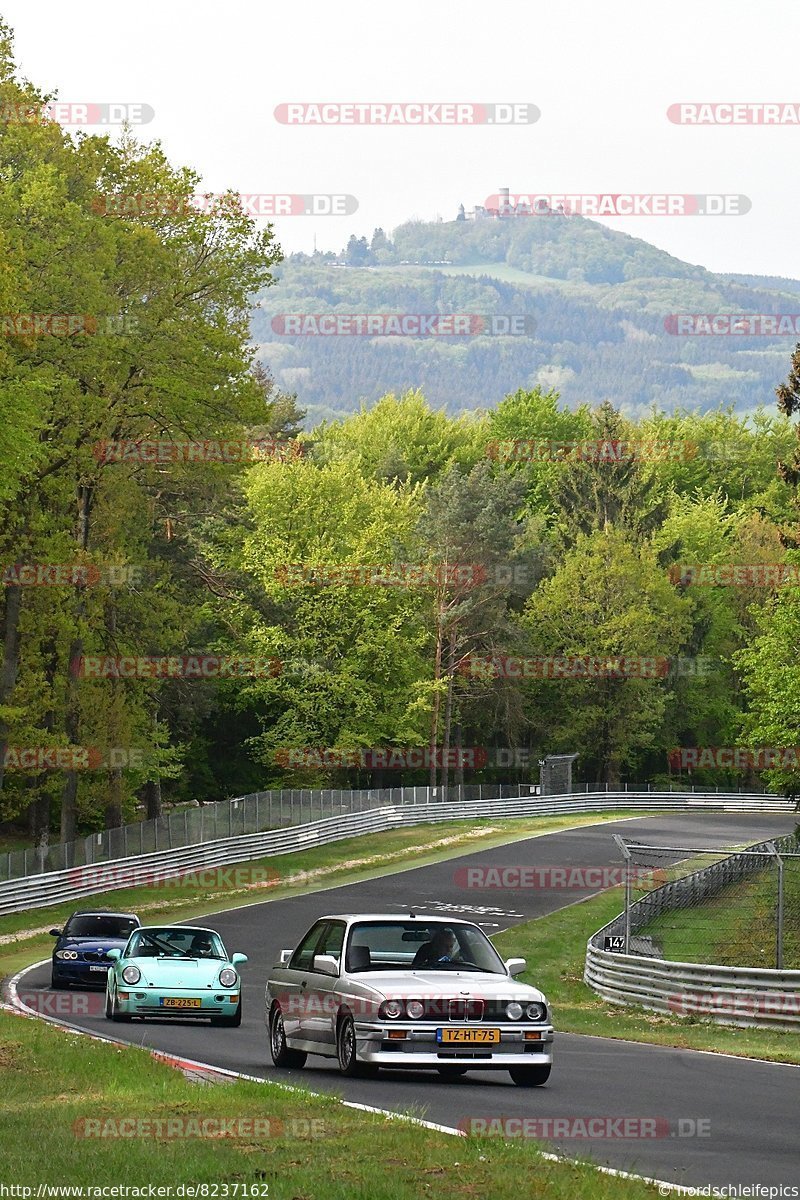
[726, 907]
[256, 813]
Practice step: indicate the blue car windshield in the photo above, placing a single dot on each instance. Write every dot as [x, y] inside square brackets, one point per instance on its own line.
[100, 925]
[175, 943]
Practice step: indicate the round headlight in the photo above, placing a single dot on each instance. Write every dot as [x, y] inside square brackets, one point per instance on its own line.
[131, 974]
[66, 954]
[415, 1009]
[392, 1008]
[513, 1011]
[227, 977]
[536, 1012]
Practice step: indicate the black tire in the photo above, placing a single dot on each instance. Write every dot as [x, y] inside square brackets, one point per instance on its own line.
[57, 984]
[282, 1055]
[530, 1076]
[108, 1005]
[230, 1022]
[346, 1047]
[452, 1072]
[116, 1015]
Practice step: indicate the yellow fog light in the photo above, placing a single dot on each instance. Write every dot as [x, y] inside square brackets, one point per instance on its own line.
[396, 1034]
[532, 1036]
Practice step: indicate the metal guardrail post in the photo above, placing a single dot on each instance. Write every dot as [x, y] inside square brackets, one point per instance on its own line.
[627, 854]
[779, 909]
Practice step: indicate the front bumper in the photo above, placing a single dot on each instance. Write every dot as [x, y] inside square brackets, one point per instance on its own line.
[74, 971]
[147, 1002]
[419, 1047]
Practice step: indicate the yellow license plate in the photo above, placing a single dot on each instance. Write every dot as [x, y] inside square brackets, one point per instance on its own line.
[469, 1036]
[180, 1002]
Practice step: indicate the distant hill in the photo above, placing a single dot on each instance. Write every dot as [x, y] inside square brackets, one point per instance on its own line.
[598, 299]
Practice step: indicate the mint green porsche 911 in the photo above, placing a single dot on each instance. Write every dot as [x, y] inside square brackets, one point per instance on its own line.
[174, 971]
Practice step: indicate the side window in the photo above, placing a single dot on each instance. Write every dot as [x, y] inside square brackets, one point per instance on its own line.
[303, 956]
[332, 940]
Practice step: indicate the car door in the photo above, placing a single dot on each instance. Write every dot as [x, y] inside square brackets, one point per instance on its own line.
[320, 990]
[293, 985]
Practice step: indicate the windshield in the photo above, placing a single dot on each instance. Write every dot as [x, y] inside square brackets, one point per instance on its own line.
[100, 925]
[175, 943]
[389, 945]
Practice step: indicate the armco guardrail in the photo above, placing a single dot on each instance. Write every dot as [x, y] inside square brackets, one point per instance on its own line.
[728, 995]
[35, 891]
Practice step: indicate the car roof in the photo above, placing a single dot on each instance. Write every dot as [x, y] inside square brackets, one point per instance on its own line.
[181, 928]
[400, 918]
[102, 912]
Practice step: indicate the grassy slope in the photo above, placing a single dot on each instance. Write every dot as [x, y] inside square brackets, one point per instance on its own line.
[312, 1149]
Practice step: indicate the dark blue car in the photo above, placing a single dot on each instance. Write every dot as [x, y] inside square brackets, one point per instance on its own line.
[79, 957]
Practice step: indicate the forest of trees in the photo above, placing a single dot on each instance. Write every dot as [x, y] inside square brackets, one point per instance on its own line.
[368, 576]
[599, 299]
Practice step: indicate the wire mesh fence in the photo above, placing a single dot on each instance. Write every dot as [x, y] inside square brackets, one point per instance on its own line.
[256, 813]
[726, 907]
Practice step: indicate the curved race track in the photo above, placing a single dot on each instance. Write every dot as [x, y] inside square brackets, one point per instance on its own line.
[751, 1106]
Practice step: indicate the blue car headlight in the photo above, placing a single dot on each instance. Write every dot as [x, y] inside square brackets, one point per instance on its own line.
[227, 977]
[131, 974]
[71, 954]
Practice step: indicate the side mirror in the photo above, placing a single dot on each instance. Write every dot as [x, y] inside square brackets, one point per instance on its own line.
[55, 933]
[515, 966]
[285, 956]
[238, 958]
[326, 964]
[113, 954]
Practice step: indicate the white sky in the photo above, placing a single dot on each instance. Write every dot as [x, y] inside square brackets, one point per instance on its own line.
[602, 75]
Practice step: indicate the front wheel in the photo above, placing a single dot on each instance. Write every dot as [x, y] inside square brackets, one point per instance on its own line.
[282, 1056]
[346, 1047]
[57, 984]
[530, 1076]
[108, 1005]
[116, 1015]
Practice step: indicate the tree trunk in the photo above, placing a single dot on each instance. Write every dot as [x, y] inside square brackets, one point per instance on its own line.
[151, 794]
[69, 793]
[10, 664]
[448, 714]
[437, 674]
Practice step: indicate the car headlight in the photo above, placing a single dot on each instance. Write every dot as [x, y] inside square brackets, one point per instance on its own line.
[131, 974]
[536, 1012]
[513, 1011]
[227, 977]
[66, 954]
[415, 1009]
[391, 1008]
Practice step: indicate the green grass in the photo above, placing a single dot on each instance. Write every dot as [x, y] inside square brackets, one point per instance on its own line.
[56, 1086]
[555, 947]
[738, 926]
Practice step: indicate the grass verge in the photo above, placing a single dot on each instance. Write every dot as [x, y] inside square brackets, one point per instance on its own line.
[555, 947]
[285, 1145]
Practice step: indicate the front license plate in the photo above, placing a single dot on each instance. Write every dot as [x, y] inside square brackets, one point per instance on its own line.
[98, 968]
[180, 1002]
[481, 1037]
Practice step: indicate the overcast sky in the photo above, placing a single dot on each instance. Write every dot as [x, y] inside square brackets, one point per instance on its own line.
[603, 77]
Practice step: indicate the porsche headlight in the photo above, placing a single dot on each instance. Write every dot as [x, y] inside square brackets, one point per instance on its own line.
[536, 1012]
[391, 1008]
[131, 974]
[513, 1011]
[227, 977]
[415, 1009]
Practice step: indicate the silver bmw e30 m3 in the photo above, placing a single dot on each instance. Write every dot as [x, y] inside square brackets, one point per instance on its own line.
[418, 992]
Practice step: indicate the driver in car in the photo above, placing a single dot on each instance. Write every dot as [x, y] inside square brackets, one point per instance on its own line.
[201, 946]
[442, 948]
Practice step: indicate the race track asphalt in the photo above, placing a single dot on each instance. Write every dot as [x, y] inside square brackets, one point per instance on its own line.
[747, 1110]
